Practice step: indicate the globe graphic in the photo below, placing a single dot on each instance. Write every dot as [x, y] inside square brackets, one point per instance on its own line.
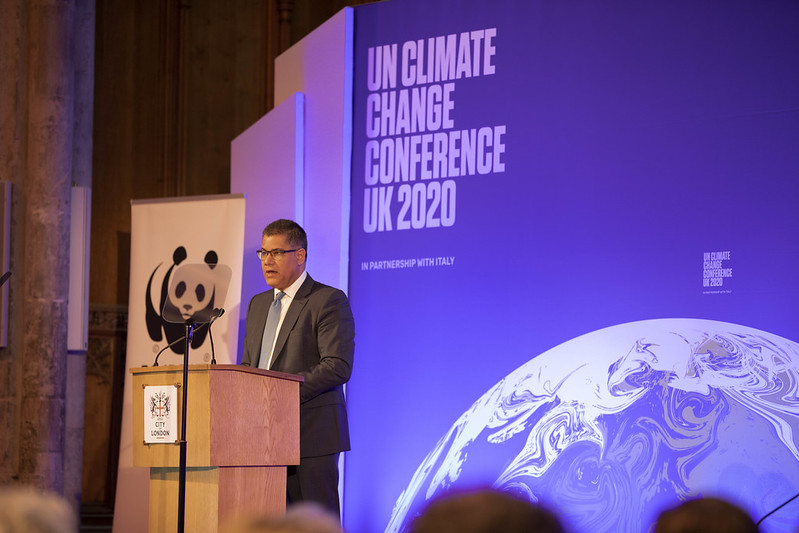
[611, 428]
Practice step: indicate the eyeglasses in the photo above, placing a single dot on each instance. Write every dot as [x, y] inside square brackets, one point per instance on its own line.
[277, 253]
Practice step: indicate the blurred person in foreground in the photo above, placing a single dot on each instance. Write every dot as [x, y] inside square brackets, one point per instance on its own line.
[28, 510]
[705, 515]
[485, 511]
[304, 517]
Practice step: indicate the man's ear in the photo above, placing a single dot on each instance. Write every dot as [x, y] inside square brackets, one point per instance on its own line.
[301, 256]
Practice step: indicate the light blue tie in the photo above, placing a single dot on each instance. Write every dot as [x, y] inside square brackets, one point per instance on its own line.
[270, 330]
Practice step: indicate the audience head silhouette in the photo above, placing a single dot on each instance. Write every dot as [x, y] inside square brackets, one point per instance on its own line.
[485, 511]
[705, 515]
[305, 517]
[27, 510]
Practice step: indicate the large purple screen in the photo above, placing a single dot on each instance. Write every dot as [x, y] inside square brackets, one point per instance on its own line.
[574, 257]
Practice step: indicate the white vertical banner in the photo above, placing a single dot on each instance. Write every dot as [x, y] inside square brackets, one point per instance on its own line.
[165, 235]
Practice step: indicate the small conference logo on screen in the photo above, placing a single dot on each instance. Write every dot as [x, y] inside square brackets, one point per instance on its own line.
[415, 150]
[717, 272]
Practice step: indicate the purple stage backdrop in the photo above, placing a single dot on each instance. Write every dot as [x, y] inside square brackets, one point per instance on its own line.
[574, 257]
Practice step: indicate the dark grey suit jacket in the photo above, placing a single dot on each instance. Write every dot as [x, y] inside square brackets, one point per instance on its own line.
[316, 341]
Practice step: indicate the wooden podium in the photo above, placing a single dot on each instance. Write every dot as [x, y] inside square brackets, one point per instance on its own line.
[243, 429]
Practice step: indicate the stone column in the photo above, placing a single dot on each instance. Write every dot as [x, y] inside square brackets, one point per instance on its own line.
[11, 88]
[46, 203]
[82, 149]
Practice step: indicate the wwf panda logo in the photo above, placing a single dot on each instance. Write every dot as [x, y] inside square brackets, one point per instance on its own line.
[188, 292]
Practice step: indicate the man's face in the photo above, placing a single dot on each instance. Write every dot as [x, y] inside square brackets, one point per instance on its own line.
[281, 272]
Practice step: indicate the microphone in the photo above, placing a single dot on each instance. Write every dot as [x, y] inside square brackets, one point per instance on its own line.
[216, 314]
[211, 336]
[171, 344]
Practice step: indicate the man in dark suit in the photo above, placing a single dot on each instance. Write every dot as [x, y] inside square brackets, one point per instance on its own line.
[312, 333]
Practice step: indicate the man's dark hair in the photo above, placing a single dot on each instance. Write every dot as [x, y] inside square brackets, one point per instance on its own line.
[485, 511]
[293, 232]
[705, 515]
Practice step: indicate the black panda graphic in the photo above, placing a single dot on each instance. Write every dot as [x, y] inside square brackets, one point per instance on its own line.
[190, 298]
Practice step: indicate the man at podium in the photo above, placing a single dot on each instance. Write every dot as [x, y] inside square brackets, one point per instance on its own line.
[304, 327]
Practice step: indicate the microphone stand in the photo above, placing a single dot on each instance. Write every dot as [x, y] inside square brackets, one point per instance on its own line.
[216, 277]
[182, 468]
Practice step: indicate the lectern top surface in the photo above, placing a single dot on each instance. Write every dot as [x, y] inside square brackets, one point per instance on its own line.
[209, 367]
